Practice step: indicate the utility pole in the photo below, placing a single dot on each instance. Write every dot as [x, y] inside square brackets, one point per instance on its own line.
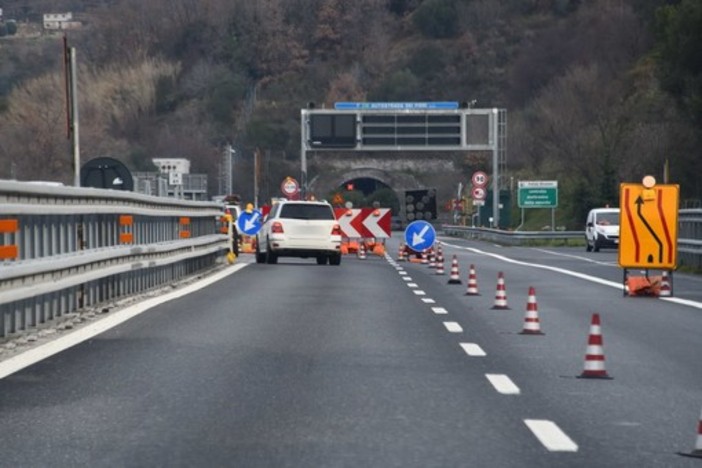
[71, 71]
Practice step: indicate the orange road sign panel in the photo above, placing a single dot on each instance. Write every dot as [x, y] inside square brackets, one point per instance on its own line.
[648, 226]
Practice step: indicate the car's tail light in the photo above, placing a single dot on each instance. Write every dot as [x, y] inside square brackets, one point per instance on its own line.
[277, 228]
[336, 230]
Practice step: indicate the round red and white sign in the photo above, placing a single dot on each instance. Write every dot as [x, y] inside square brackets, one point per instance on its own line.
[478, 193]
[479, 179]
[290, 186]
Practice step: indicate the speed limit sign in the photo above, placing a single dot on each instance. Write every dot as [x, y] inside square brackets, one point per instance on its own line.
[479, 179]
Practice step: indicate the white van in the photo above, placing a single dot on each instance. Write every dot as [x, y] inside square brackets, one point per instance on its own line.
[602, 229]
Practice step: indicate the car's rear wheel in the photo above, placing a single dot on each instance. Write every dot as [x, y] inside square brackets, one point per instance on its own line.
[260, 257]
[271, 258]
[335, 259]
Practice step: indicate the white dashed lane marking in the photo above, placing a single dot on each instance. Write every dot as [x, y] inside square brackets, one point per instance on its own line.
[412, 285]
[407, 278]
[551, 436]
[473, 349]
[503, 384]
[427, 300]
[453, 327]
[419, 293]
[439, 310]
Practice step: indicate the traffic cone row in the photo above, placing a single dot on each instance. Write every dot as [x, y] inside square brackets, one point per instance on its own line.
[454, 277]
[425, 259]
[500, 293]
[532, 326]
[401, 253]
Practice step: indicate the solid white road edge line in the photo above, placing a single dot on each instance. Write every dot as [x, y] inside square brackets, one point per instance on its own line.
[55, 346]
[503, 384]
[551, 436]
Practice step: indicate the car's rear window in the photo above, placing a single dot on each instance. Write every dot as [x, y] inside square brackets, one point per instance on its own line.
[306, 211]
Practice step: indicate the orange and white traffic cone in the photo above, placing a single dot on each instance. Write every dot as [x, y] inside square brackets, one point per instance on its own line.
[665, 290]
[500, 293]
[531, 318]
[472, 282]
[425, 258]
[697, 451]
[401, 253]
[432, 259]
[440, 266]
[594, 355]
[454, 277]
[362, 250]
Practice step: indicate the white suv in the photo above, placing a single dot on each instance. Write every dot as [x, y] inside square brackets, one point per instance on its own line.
[300, 229]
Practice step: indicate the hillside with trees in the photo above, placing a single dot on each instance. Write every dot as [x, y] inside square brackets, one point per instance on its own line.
[598, 92]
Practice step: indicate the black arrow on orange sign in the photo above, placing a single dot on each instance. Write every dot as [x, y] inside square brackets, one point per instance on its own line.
[639, 203]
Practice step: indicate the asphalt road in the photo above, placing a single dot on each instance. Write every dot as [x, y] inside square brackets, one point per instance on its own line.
[375, 363]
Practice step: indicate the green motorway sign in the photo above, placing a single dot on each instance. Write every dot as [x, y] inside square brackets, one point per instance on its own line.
[538, 194]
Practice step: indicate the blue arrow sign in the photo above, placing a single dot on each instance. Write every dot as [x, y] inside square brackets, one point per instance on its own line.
[420, 235]
[249, 223]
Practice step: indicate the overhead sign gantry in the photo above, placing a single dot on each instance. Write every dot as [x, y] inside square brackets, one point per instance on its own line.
[405, 126]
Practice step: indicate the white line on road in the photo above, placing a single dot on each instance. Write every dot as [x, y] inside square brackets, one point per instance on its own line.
[419, 292]
[473, 349]
[439, 310]
[412, 285]
[453, 327]
[503, 384]
[551, 436]
[427, 300]
[407, 278]
[32, 356]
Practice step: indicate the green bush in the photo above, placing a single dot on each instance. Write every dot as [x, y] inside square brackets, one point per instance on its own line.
[11, 28]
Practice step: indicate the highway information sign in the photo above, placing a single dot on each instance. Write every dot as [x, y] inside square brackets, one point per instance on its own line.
[648, 225]
[538, 194]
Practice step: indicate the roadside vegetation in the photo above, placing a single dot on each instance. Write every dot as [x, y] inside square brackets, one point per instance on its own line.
[598, 92]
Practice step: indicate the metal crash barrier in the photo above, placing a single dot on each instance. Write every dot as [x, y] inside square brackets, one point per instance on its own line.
[65, 249]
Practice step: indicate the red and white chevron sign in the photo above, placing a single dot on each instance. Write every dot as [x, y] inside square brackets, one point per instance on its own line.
[364, 222]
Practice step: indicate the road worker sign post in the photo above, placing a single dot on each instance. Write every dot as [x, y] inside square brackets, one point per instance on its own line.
[648, 225]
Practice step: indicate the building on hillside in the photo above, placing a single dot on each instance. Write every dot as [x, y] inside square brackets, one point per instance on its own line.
[59, 21]
[173, 179]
